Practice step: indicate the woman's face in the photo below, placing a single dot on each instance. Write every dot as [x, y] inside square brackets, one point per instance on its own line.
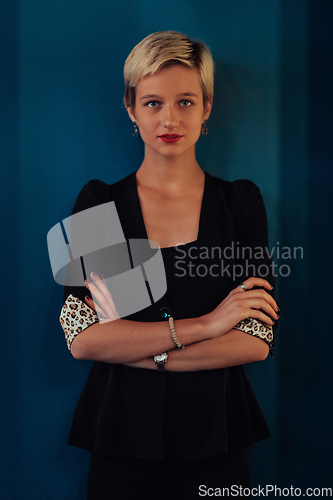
[169, 110]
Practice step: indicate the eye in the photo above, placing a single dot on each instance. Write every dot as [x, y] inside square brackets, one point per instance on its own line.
[152, 104]
[186, 103]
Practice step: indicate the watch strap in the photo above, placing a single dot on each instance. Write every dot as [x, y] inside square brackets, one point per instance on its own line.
[161, 366]
[160, 362]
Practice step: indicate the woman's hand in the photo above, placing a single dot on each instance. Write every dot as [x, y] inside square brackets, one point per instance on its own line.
[241, 304]
[102, 301]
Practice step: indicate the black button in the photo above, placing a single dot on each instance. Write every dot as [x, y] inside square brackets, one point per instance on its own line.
[165, 312]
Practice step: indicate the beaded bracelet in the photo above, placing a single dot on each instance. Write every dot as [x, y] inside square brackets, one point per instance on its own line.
[174, 335]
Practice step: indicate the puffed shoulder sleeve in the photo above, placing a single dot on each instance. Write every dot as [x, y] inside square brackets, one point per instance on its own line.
[75, 315]
[253, 256]
[95, 192]
[251, 219]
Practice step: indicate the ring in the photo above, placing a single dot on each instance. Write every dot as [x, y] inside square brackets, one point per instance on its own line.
[243, 286]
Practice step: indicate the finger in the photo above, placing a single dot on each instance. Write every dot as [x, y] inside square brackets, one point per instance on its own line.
[253, 281]
[94, 306]
[100, 284]
[261, 294]
[107, 319]
[258, 299]
[102, 296]
[90, 302]
[259, 303]
[255, 313]
[248, 284]
[98, 297]
[103, 317]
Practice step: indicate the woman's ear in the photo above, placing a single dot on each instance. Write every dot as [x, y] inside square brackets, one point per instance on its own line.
[208, 108]
[130, 112]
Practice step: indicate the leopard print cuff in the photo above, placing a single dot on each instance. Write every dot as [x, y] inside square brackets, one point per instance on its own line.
[75, 316]
[259, 329]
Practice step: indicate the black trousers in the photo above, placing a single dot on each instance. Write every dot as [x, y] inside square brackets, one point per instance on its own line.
[125, 479]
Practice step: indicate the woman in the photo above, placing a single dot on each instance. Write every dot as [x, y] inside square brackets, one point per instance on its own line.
[162, 421]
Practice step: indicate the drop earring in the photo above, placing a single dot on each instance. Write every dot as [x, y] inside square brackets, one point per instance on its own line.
[135, 132]
[204, 129]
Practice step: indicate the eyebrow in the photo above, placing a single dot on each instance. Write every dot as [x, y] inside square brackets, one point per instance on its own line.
[183, 94]
[149, 96]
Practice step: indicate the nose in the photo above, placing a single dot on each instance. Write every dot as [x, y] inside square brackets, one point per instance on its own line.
[170, 118]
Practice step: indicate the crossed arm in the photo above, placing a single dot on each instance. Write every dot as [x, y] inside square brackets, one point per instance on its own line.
[211, 341]
[233, 348]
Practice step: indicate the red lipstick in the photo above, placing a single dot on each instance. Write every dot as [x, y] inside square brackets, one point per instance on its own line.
[170, 137]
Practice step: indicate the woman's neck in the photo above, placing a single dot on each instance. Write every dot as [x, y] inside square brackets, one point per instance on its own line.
[170, 173]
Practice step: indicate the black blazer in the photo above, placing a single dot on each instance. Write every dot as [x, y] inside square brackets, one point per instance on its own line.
[179, 416]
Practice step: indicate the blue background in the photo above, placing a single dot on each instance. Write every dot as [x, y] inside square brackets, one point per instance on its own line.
[63, 123]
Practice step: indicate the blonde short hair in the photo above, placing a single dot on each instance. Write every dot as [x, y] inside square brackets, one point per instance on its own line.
[166, 48]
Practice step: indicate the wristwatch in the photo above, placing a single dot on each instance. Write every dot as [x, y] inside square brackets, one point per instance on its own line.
[160, 360]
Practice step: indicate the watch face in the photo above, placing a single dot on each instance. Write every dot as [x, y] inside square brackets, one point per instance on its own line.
[161, 357]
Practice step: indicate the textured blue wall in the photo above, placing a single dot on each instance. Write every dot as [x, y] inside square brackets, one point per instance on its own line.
[63, 123]
[306, 156]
